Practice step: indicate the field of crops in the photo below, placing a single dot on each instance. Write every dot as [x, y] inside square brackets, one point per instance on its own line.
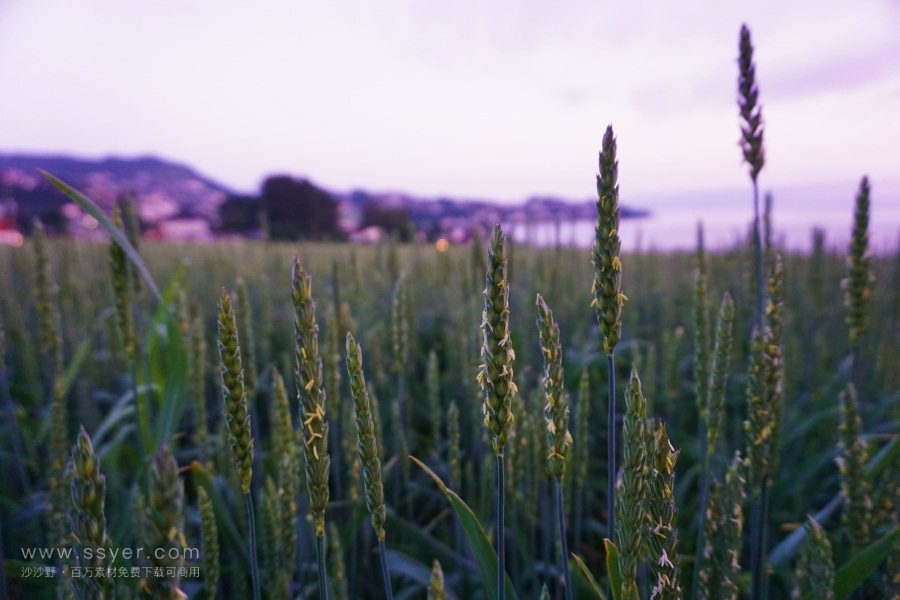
[250, 419]
[416, 314]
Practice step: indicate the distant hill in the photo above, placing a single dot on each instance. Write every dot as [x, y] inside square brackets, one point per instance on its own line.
[166, 191]
[163, 189]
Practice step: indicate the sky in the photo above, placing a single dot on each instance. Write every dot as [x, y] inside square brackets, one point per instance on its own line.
[497, 99]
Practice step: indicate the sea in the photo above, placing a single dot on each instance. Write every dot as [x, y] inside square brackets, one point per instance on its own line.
[672, 220]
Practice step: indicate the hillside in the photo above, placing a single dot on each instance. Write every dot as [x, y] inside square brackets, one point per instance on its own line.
[163, 189]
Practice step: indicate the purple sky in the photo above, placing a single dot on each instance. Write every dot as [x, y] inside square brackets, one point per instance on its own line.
[499, 98]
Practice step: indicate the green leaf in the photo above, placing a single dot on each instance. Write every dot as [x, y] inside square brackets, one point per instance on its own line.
[88, 206]
[859, 567]
[167, 357]
[81, 355]
[427, 543]
[615, 574]
[404, 565]
[588, 577]
[481, 547]
[117, 416]
[84, 350]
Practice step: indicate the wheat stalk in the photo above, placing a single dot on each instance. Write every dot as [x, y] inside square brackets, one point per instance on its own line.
[715, 406]
[368, 452]
[853, 454]
[496, 377]
[751, 145]
[87, 515]
[436, 589]
[209, 535]
[608, 297]
[633, 485]
[237, 418]
[311, 393]
[815, 570]
[718, 578]
[165, 525]
[662, 535]
[556, 420]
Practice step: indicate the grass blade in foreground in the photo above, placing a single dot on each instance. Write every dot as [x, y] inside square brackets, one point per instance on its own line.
[857, 569]
[616, 580]
[481, 547]
[589, 577]
[114, 232]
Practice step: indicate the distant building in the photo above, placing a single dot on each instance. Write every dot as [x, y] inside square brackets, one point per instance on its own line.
[183, 230]
[368, 235]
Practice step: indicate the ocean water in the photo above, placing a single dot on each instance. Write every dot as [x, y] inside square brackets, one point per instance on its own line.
[727, 216]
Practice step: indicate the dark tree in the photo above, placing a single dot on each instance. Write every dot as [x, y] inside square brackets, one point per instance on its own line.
[298, 209]
[394, 221]
[239, 214]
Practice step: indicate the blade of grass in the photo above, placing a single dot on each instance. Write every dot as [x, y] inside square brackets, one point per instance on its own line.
[588, 577]
[120, 237]
[791, 544]
[615, 574]
[478, 540]
[858, 568]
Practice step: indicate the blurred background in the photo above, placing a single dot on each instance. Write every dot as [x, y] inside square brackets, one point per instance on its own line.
[360, 120]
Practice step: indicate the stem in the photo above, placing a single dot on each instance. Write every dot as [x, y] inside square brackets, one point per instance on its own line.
[385, 574]
[251, 523]
[15, 435]
[562, 538]
[4, 587]
[757, 246]
[501, 545]
[764, 548]
[611, 447]
[757, 542]
[701, 529]
[579, 512]
[323, 575]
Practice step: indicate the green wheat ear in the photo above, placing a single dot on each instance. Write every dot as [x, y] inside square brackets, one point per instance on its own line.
[88, 493]
[165, 524]
[814, 575]
[853, 453]
[662, 535]
[751, 112]
[122, 292]
[556, 411]
[209, 535]
[311, 393]
[633, 484]
[724, 528]
[607, 286]
[237, 414]
[368, 446]
[436, 589]
[715, 404]
[858, 284]
[496, 375]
